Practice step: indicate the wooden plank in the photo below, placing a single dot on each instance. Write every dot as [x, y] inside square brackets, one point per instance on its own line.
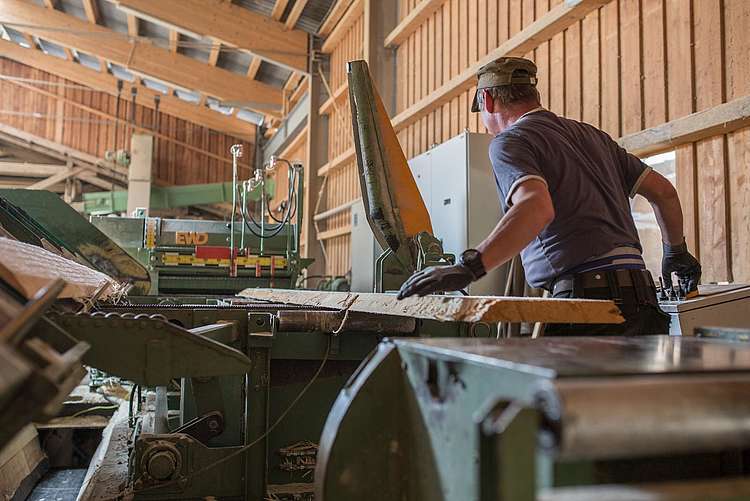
[335, 232]
[611, 69]
[92, 10]
[721, 119]
[23, 169]
[408, 25]
[556, 20]
[654, 63]
[573, 68]
[452, 308]
[108, 83]
[337, 162]
[278, 9]
[630, 60]
[355, 10]
[174, 40]
[133, 25]
[712, 184]
[56, 178]
[141, 58]
[230, 24]
[334, 16]
[686, 172]
[591, 69]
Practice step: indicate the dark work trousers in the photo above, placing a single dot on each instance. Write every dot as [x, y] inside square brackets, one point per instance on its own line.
[639, 307]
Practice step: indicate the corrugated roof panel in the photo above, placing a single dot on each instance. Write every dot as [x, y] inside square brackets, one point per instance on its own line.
[196, 48]
[112, 17]
[272, 74]
[312, 15]
[72, 7]
[155, 32]
[234, 60]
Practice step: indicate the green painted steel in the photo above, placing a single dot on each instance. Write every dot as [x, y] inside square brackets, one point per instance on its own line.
[42, 218]
[168, 197]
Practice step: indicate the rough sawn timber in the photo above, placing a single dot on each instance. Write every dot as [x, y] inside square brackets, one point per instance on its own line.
[452, 308]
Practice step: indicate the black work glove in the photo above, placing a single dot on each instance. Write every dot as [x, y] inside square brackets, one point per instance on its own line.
[437, 279]
[677, 259]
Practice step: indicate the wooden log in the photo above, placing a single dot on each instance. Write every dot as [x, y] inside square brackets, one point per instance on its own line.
[452, 308]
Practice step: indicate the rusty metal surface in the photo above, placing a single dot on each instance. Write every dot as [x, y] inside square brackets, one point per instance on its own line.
[592, 356]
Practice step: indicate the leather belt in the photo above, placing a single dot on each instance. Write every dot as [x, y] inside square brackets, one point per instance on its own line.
[636, 281]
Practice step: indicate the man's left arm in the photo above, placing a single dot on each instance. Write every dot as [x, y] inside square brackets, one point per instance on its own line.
[530, 211]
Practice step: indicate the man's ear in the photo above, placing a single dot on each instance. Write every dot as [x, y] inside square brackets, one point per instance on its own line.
[489, 104]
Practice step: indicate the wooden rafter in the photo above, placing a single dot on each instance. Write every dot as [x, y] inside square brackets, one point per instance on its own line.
[252, 70]
[143, 58]
[213, 56]
[230, 24]
[56, 178]
[278, 9]
[334, 16]
[410, 23]
[107, 83]
[92, 11]
[174, 40]
[295, 14]
[347, 20]
[133, 25]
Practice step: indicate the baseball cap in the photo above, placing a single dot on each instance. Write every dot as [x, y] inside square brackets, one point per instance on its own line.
[504, 71]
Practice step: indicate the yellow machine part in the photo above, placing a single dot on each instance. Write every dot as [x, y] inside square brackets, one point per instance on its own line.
[176, 259]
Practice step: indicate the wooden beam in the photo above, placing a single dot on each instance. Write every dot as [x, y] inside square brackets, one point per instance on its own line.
[295, 13]
[24, 169]
[50, 4]
[252, 70]
[278, 9]
[342, 91]
[338, 162]
[544, 28]
[411, 22]
[213, 56]
[355, 10]
[105, 82]
[230, 24]
[53, 180]
[92, 11]
[174, 40]
[452, 308]
[334, 16]
[133, 25]
[336, 232]
[142, 58]
[719, 120]
[63, 153]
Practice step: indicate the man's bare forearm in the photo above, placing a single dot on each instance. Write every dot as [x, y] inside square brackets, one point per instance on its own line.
[666, 204]
[531, 211]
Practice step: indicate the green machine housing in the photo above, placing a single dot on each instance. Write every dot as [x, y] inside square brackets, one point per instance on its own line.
[186, 256]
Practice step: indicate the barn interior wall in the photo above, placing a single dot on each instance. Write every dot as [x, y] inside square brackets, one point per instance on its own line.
[83, 119]
[627, 66]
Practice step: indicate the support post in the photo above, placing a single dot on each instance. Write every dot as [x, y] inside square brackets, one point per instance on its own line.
[317, 145]
[139, 173]
[381, 17]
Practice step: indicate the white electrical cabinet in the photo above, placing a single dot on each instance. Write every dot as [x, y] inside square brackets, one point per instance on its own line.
[458, 187]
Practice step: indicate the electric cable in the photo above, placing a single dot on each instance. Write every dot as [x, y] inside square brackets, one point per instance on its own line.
[244, 448]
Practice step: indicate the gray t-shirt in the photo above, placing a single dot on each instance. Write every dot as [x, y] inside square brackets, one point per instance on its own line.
[589, 178]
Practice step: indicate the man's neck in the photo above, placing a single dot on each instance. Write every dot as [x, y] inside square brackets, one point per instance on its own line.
[509, 116]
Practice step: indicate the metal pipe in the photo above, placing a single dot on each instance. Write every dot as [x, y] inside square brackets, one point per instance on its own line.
[637, 416]
[236, 151]
[330, 321]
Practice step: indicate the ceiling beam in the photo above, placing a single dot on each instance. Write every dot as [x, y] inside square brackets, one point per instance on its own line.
[174, 40]
[252, 70]
[230, 24]
[213, 56]
[92, 11]
[278, 9]
[25, 169]
[53, 180]
[142, 58]
[334, 16]
[295, 14]
[133, 25]
[105, 82]
[50, 4]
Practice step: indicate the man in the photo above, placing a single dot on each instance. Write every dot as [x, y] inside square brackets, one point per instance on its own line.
[564, 186]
